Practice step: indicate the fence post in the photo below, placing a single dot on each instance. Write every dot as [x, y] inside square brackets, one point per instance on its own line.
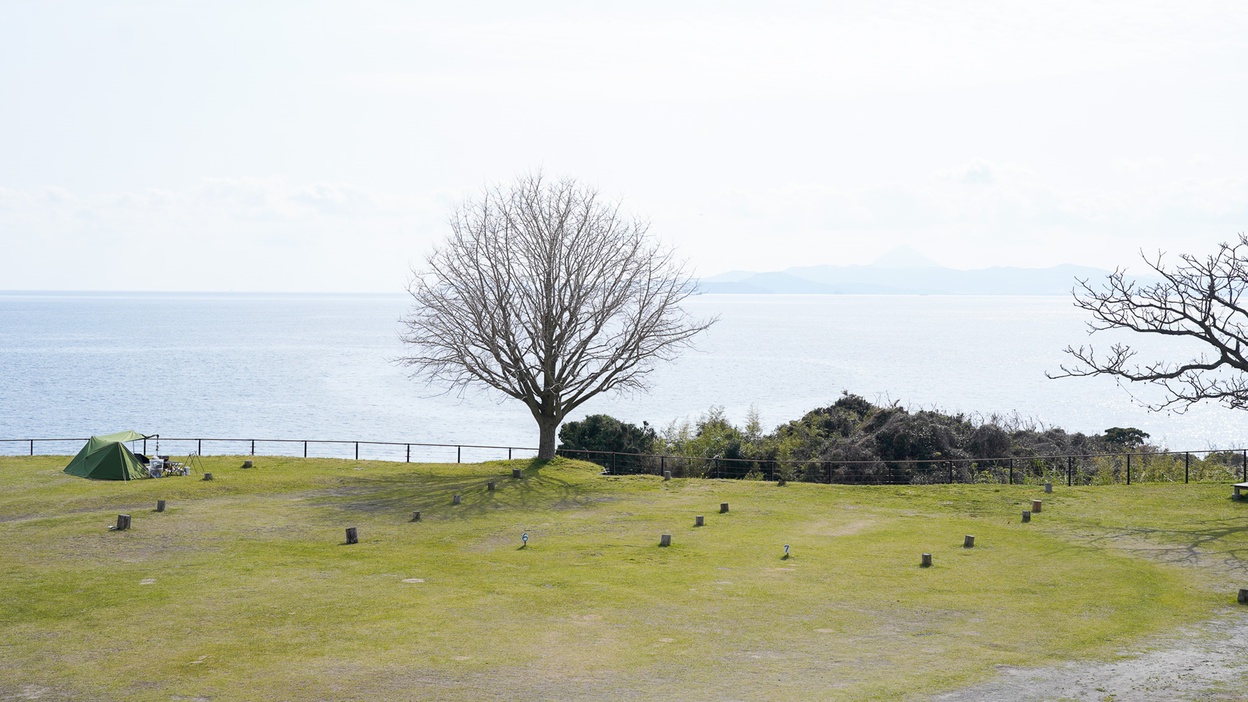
[1187, 464]
[1070, 469]
[409, 453]
[357, 450]
[951, 472]
[509, 453]
[253, 447]
[199, 447]
[613, 456]
[1011, 471]
[1128, 469]
[305, 449]
[1246, 466]
[32, 447]
[459, 453]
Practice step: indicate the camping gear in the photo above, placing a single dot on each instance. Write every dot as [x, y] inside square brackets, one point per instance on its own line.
[107, 458]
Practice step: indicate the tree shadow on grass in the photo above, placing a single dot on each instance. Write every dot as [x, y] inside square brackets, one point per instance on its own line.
[433, 495]
[1194, 545]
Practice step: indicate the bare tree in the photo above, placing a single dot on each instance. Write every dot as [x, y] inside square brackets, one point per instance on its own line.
[546, 293]
[1197, 302]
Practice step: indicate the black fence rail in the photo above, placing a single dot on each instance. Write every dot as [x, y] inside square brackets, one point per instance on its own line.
[1084, 469]
[404, 451]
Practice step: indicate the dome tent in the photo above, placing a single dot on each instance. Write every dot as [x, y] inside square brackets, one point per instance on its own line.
[107, 458]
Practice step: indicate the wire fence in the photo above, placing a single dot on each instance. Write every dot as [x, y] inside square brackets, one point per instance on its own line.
[1086, 469]
[1144, 466]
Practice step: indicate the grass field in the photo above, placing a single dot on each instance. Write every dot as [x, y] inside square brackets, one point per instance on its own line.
[244, 588]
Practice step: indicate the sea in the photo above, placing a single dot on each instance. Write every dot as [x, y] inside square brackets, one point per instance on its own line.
[324, 367]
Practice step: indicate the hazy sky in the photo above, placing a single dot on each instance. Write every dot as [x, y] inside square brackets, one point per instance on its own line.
[319, 146]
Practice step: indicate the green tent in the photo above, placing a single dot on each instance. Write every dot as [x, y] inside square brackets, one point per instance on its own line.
[107, 458]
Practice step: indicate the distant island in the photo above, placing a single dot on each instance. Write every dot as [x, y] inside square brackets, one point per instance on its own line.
[902, 271]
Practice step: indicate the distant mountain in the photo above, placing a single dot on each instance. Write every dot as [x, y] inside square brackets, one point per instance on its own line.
[903, 273]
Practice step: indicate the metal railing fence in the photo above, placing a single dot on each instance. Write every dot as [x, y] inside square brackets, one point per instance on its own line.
[406, 451]
[1072, 469]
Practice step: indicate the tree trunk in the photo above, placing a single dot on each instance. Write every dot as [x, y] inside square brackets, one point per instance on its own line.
[548, 429]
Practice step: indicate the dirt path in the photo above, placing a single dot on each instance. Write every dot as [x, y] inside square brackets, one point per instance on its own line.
[1208, 662]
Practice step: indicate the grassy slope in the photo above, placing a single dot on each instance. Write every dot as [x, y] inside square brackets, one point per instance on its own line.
[254, 595]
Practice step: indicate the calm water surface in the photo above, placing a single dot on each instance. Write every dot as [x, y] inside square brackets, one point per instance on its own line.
[313, 366]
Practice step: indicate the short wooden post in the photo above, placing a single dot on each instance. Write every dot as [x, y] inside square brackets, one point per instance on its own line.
[416, 516]
[515, 473]
[1026, 516]
[456, 499]
[248, 464]
[207, 476]
[667, 475]
[926, 561]
[1035, 506]
[1243, 596]
[665, 540]
[723, 507]
[490, 486]
[353, 537]
[1048, 487]
[698, 521]
[968, 541]
[123, 522]
[160, 505]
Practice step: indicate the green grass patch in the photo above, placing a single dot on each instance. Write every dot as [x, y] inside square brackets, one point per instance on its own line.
[244, 588]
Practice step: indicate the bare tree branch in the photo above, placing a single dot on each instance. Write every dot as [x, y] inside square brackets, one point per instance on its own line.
[546, 293]
[1199, 300]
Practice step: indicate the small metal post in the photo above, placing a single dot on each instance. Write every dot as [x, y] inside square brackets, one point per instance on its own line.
[145, 446]
[357, 450]
[459, 454]
[199, 447]
[409, 453]
[1187, 464]
[1070, 470]
[1128, 469]
[509, 453]
[305, 449]
[613, 456]
[1246, 466]
[32, 447]
[951, 472]
[253, 447]
[662, 464]
[1011, 471]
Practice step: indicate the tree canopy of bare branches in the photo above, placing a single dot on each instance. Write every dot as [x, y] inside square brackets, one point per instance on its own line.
[547, 293]
[1198, 300]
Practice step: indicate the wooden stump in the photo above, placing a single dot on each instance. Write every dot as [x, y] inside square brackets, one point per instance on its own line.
[926, 561]
[1026, 516]
[490, 486]
[667, 475]
[665, 540]
[1243, 596]
[160, 505]
[697, 521]
[515, 473]
[1035, 506]
[968, 541]
[415, 516]
[723, 508]
[1048, 487]
[207, 476]
[247, 464]
[123, 522]
[353, 537]
[456, 499]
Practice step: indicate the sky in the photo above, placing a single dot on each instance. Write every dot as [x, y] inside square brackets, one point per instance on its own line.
[280, 146]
